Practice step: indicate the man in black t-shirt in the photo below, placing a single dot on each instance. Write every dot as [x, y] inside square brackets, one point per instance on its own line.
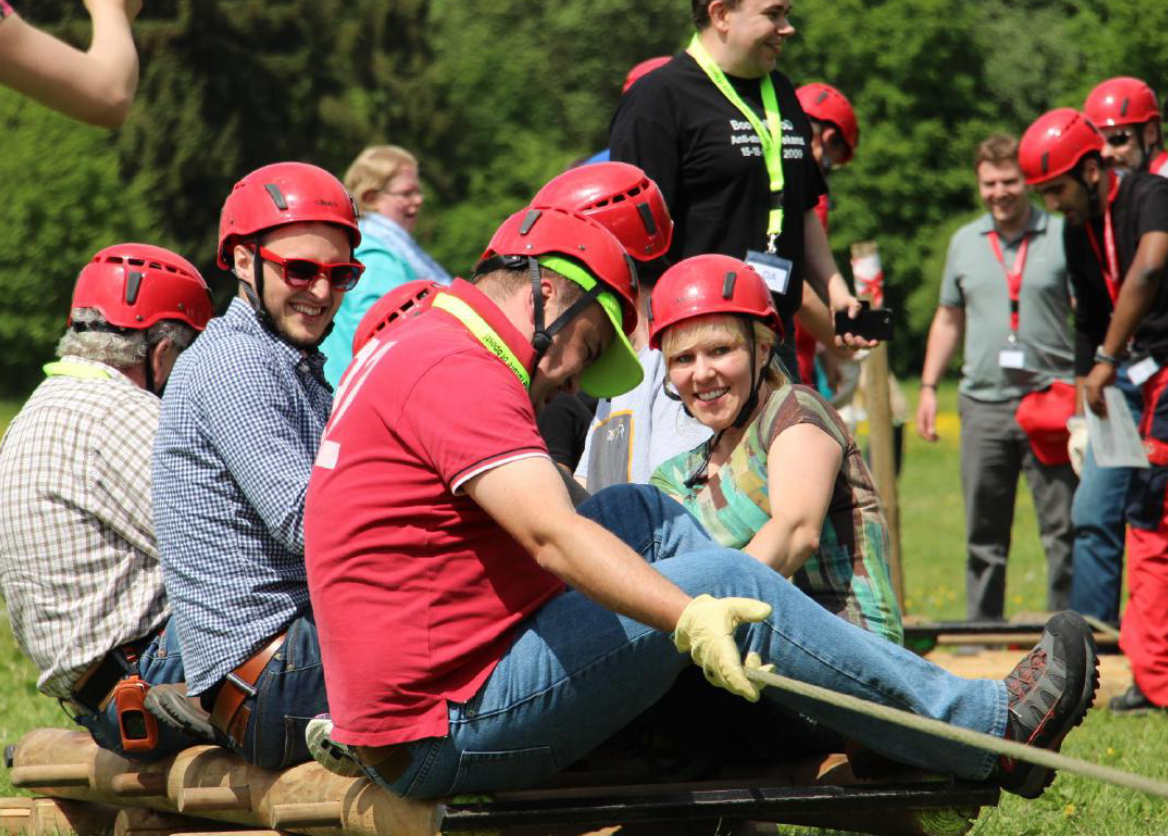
[1116, 241]
[698, 126]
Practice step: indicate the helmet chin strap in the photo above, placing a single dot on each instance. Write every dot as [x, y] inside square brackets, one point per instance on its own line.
[255, 296]
[541, 340]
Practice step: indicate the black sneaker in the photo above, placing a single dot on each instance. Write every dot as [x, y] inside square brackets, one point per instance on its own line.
[171, 705]
[1132, 703]
[1050, 691]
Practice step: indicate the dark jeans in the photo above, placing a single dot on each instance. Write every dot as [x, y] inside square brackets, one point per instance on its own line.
[160, 664]
[289, 693]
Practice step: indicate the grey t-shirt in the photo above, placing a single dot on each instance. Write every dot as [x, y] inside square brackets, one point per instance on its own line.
[635, 432]
[975, 281]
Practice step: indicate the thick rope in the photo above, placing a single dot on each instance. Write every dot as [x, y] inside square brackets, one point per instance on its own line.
[980, 740]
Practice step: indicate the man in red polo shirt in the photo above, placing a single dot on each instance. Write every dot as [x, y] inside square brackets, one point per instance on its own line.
[477, 633]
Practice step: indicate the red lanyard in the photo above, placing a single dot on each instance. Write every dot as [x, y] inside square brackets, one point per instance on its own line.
[1110, 268]
[1013, 274]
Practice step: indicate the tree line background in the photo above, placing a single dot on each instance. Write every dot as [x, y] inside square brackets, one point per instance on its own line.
[496, 97]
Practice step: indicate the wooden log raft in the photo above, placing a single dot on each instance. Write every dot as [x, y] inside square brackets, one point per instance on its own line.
[209, 782]
[53, 817]
[212, 783]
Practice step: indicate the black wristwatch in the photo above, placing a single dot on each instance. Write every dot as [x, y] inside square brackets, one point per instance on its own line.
[1102, 356]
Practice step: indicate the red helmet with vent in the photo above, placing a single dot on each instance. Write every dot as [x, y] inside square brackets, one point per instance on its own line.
[1055, 144]
[619, 196]
[402, 302]
[281, 194]
[139, 285]
[826, 104]
[1121, 101]
[710, 284]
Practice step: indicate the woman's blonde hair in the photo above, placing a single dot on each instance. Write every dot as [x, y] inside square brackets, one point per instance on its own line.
[685, 335]
[374, 168]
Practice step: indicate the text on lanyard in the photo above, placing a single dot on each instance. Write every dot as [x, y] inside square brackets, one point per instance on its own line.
[483, 332]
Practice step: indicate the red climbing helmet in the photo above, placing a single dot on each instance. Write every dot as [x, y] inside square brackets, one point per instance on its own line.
[710, 284]
[138, 285]
[1121, 101]
[281, 194]
[402, 302]
[1055, 144]
[622, 198]
[826, 104]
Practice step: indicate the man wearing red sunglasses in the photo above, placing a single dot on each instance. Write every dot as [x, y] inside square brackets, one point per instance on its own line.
[240, 428]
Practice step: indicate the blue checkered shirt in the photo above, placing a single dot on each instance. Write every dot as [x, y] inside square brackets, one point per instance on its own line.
[241, 422]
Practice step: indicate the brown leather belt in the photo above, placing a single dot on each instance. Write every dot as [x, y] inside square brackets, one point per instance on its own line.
[229, 715]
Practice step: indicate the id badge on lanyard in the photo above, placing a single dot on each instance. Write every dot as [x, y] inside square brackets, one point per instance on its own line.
[775, 270]
[1013, 355]
[770, 134]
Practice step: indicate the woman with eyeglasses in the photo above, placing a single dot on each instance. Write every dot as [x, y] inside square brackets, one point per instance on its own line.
[384, 181]
[781, 479]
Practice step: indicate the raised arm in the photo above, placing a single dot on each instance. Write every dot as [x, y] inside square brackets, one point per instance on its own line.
[96, 86]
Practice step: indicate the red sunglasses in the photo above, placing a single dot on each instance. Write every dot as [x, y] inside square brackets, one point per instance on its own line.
[301, 272]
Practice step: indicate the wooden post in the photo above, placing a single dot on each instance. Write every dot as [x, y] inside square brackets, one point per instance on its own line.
[869, 276]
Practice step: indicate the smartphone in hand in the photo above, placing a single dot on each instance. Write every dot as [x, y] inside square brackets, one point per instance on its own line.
[870, 324]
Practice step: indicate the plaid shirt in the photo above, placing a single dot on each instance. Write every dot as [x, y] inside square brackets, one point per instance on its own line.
[241, 422]
[78, 563]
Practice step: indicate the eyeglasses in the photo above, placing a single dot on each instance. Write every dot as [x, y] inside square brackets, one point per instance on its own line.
[1119, 139]
[301, 272]
[409, 194]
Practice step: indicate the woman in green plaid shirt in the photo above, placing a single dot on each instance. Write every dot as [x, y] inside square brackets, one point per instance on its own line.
[782, 478]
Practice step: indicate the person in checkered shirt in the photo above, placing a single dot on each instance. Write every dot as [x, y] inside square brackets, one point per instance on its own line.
[78, 560]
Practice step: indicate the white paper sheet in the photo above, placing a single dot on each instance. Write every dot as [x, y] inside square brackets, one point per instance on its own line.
[1115, 440]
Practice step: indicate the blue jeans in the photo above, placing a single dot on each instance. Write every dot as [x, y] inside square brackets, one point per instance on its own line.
[289, 693]
[160, 664]
[577, 673]
[1098, 518]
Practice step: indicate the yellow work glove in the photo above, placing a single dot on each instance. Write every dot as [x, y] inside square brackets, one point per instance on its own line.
[706, 631]
[1077, 443]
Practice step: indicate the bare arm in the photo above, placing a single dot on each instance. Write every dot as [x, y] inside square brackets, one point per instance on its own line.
[96, 86]
[798, 506]
[826, 279]
[573, 548]
[1136, 295]
[944, 334]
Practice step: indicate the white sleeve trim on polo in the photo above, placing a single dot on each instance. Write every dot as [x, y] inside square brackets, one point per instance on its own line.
[456, 488]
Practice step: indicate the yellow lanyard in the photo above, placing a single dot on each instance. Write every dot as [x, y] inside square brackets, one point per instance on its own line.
[67, 368]
[770, 135]
[483, 332]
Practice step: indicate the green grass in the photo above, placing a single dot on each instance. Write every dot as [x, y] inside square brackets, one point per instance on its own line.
[932, 525]
[933, 536]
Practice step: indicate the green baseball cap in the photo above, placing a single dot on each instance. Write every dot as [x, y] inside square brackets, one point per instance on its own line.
[617, 370]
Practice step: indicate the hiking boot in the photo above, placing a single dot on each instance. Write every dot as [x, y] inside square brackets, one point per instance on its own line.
[171, 705]
[1133, 703]
[337, 758]
[1050, 691]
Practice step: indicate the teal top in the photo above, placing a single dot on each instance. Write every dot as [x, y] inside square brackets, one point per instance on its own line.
[848, 574]
[384, 270]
